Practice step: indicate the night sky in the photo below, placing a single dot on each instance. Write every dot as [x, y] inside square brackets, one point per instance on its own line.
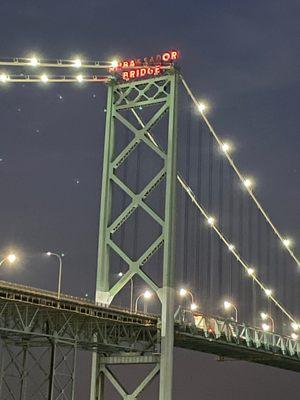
[242, 57]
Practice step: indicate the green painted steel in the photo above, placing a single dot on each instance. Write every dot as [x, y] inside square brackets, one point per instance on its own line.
[159, 93]
[41, 335]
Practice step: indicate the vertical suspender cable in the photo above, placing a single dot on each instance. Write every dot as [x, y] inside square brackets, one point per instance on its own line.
[241, 288]
[186, 201]
[231, 217]
[268, 266]
[199, 238]
[210, 232]
[259, 258]
[220, 244]
[250, 257]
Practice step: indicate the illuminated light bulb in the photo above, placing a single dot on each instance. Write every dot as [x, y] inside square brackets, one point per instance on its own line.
[77, 63]
[147, 294]
[194, 306]
[294, 336]
[265, 327]
[44, 78]
[211, 221]
[287, 242]
[12, 258]
[33, 61]
[4, 78]
[182, 292]
[79, 78]
[226, 147]
[231, 247]
[48, 253]
[114, 63]
[201, 107]
[263, 316]
[120, 274]
[295, 326]
[227, 305]
[268, 292]
[250, 271]
[248, 183]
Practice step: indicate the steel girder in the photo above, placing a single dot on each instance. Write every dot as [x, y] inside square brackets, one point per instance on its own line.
[40, 324]
[160, 93]
[39, 343]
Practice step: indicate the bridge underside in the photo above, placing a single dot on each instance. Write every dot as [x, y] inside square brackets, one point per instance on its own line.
[236, 351]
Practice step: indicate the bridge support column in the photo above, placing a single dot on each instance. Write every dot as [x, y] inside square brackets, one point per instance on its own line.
[138, 107]
[14, 370]
[105, 372]
[62, 371]
[37, 370]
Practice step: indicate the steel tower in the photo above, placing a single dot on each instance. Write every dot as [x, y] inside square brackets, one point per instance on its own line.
[159, 93]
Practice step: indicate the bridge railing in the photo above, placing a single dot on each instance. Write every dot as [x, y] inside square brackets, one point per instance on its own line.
[28, 294]
[234, 332]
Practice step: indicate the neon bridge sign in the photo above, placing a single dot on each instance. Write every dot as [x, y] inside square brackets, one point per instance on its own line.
[131, 69]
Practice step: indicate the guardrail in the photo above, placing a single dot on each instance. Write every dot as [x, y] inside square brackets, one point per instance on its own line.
[230, 331]
[27, 294]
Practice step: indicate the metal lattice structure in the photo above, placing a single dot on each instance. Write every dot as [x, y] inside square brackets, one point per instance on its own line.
[41, 337]
[162, 93]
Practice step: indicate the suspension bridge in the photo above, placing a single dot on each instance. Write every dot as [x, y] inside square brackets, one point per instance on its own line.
[176, 212]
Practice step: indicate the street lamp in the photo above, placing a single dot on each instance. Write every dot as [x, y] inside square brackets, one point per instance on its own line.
[265, 317]
[11, 258]
[265, 327]
[147, 296]
[294, 336]
[49, 253]
[120, 274]
[183, 293]
[228, 306]
[295, 326]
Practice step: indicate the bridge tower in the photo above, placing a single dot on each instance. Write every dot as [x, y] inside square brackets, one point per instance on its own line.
[126, 99]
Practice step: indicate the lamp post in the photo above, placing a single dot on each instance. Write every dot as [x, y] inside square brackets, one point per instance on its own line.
[146, 295]
[228, 305]
[49, 253]
[11, 258]
[265, 317]
[120, 274]
[183, 293]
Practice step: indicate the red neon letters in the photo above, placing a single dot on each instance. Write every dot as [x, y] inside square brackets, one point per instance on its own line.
[148, 66]
[140, 72]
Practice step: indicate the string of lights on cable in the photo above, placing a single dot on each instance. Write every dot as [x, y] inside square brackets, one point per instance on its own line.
[247, 182]
[34, 63]
[76, 63]
[44, 78]
[211, 221]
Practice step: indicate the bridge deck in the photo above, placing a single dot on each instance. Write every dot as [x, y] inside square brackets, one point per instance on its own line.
[36, 315]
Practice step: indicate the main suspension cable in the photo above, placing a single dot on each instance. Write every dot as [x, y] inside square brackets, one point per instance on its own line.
[240, 175]
[232, 249]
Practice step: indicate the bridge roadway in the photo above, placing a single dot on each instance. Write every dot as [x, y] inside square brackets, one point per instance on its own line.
[37, 317]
